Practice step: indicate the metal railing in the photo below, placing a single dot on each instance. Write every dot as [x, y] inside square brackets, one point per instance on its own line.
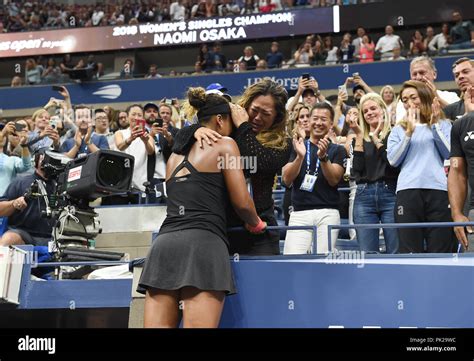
[287, 228]
[396, 225]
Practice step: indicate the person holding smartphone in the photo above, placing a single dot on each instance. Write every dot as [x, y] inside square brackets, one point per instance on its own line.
[308, 93]
[135, 141]
[162, 134]
[12, 143]
[43, 136]
[10, 166]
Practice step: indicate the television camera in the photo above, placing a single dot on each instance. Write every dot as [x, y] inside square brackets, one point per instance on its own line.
[77, 182]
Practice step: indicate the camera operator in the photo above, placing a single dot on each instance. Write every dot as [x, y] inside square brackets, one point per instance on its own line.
[85, 141]
[25, 224]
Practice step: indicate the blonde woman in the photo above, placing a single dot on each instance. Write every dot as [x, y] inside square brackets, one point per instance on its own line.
[298, 126]
[45, 133]
[390, 99]
[376, 179]
[419, 145]
[299, 120]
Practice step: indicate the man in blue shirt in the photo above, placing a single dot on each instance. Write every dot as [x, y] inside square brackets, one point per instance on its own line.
[462, 33]
[85, 141]
[275, 57]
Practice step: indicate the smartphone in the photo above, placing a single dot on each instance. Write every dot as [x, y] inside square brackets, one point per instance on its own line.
[52, 111]
[19, 127]
[168, 101]
[57, 88]
[53, 123]
[305, 76]
[343, 88]
[158, 122]
[354, 75]
[141, 123]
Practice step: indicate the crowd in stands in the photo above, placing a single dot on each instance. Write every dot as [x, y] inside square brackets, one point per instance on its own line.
[390, 150]
[314, 50]
[18, 16]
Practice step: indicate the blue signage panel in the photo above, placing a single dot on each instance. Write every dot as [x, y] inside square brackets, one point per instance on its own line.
[139, 90]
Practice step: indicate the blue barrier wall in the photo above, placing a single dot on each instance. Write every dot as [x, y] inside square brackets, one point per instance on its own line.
[350, 290]
[329, 77]
[378, 291]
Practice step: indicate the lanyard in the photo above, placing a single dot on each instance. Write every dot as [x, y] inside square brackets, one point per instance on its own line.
[308, 160]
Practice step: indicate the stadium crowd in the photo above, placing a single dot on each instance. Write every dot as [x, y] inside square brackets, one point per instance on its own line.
[391, 150]
[314, 50]
[18, 16]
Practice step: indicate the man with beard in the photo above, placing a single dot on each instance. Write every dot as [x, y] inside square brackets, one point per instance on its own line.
[162, 133]
[463, 71]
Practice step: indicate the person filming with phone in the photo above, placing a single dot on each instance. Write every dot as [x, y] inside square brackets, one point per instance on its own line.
[84, 141]
[45, 134]
[162, 134]
[10, 166]
[308, 93]
[136, 141]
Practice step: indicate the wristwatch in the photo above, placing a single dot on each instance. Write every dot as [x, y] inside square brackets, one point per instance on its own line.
[324, 159]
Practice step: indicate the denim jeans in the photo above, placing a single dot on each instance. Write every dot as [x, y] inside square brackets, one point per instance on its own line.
[375, 203]
[460, 46]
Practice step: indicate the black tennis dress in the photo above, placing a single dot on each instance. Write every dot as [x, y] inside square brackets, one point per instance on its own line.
[191, 248]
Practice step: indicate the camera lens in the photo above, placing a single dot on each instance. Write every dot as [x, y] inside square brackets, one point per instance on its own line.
[111, 172]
